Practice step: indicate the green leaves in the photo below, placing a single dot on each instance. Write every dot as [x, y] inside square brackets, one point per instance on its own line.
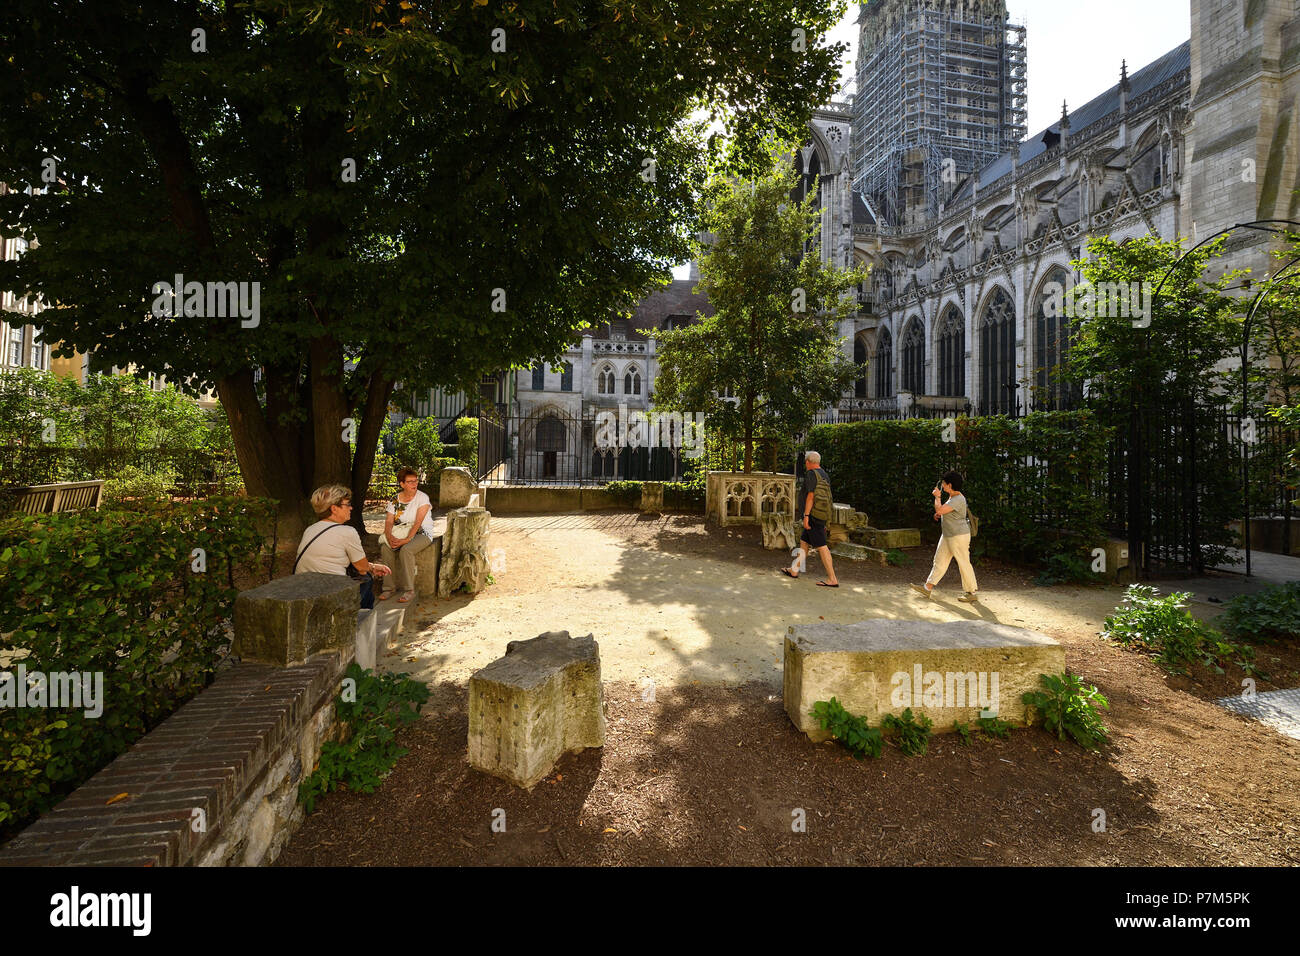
[911, 734]
[857, 737]
[1069, 706]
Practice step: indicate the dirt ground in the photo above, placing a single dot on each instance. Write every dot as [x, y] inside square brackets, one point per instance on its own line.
[711, 771]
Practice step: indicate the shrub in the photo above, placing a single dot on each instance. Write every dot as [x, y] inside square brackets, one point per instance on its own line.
[417, 445]
[1065, 568]
[434, 478]
[383, 479]
[995, 727]
[963, 732]
[133, 482]
[467, 441]
[853, 732]
[116, 592]
[912, 733]
[371, 713]
[1161, 626]
[1034, 481]
[627, 493]
[1271, 615]
[1068, 706]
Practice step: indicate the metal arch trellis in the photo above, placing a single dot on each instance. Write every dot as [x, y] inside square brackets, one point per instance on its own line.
[1273, 227]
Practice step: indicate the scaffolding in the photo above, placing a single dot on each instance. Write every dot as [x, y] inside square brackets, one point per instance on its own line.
[941, 93]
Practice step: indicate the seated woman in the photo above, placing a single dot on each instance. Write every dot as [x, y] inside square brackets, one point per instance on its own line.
[330, 545]
[408, 530]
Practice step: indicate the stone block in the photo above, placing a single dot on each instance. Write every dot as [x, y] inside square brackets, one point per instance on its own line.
[857, 521]
[779, 533]
[456, 488]
[840, 514]
[948, 671]
[652, 497]
[858, 552]
[367, 639]
[287, 620]
[426, 567]
[464, 559]
[541, 700]
[890, 538]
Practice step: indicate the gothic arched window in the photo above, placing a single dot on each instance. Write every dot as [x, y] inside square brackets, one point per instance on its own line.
[914, 358]
[952, 354]
[998, 356]
[605, 381]
[566, 378]
[1052, 338]
[884, 363]
[632, 383]
[539, 376]
[860, 359]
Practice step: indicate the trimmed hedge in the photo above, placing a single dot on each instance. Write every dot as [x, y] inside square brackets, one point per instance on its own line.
[116, 592]
[467, 441]
[1036, 483]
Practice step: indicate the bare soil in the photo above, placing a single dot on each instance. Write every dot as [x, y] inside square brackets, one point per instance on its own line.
[712, 772]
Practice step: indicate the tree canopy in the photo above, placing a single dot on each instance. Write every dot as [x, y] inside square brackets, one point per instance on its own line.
[424, 191]
[770, 356]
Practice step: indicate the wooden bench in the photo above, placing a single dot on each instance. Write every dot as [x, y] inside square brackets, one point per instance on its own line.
[52, 499]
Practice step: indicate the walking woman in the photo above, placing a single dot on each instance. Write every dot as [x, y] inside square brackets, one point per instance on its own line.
[954, 542]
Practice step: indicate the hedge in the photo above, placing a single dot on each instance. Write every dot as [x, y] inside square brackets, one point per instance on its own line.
[117, 592]
[467, 441]
[1037, 483]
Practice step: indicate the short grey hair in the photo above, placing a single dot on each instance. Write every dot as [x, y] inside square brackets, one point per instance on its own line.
[813, 456]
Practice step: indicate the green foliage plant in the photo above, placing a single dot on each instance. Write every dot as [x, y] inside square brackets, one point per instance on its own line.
[1161, 626]
[116, 591]
[419, 446]
[995, 727]
[963, 732]
[467, 442]
[854, 733]
[371, 711]
[911, 734]
[1069, 706]
[1272, 614]
[898, 558]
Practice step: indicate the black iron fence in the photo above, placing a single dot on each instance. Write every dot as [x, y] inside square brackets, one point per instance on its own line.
[598, 447]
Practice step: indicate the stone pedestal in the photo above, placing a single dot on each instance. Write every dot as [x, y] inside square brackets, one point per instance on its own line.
[652, 497]
[779, 533]
[542, 700]
[464, 559]
[456, 488]
[857, 552]
[426, 567]
[889, 538]
[287, 620]
[947, 671]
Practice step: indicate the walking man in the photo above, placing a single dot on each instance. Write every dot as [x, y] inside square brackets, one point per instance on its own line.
[954, 541]
[815, 510]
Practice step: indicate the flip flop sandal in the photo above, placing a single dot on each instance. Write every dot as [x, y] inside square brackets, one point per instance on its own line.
[406, 597]
[786, 572]
[826, 584]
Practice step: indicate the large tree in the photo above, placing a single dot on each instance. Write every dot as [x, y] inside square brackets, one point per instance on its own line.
[425, 190]
[770, 356]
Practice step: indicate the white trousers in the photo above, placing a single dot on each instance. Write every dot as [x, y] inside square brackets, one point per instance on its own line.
[958, 546]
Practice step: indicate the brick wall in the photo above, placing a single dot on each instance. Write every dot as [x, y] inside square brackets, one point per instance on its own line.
[215, 784]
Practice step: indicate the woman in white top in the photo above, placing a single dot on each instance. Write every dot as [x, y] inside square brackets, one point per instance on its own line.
[330, 545]
[408, 530]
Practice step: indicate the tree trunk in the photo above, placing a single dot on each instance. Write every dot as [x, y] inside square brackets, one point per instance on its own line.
[378, 390]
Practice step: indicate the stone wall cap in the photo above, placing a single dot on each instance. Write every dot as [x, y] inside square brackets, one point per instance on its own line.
[886, 634]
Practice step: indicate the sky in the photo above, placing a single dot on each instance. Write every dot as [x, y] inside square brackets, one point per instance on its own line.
[1075, 49]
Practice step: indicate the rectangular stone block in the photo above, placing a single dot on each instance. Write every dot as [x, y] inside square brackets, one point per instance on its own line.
[541, 700]
[426, 567]
[858, 552]
[287, 620]
[949, 671]
[886, 539]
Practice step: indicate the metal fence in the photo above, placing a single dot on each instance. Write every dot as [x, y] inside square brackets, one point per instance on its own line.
[553, 449]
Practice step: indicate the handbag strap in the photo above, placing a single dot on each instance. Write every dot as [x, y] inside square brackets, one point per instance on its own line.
[310, 543]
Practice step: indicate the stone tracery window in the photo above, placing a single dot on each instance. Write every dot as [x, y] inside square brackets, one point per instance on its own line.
[952, 354]
[913, 366]
[998, 355]
[884, 363]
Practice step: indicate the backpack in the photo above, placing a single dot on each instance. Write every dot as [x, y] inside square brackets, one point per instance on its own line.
[821, 508]
[974, 523]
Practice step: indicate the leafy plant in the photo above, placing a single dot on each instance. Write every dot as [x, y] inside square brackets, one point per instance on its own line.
[1270, 615]
[379, 704]
[995, 727]
[912, 733]
[898, 558]
[963, 732]
[1069, 706]
[854, 733]
[1065, 568]
[1161, 626]
[628, 493]
[417, 445]
[467, 442]
[133, 482]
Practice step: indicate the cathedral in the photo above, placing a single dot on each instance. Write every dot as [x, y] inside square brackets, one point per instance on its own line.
[969, 224]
